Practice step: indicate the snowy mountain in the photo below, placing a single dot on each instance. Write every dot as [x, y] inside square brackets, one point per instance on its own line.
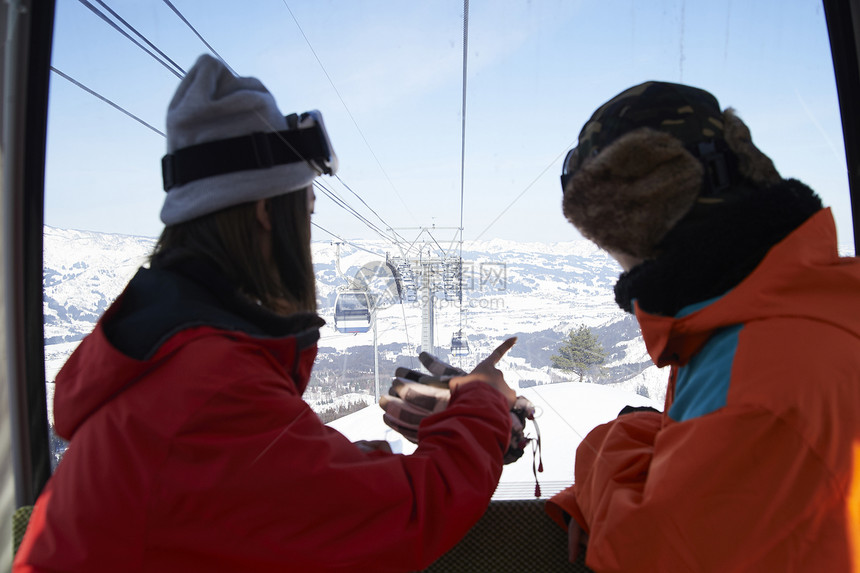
[535, 291]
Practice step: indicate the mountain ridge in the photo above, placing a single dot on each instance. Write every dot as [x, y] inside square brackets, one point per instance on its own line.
[536, 291]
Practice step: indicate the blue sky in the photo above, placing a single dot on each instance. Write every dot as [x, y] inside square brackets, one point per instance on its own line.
[388, 78]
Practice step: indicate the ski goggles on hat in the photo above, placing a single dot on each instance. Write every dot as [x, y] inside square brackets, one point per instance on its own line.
[569, 166]
[304, 140]
[320, 153]
[718, 162]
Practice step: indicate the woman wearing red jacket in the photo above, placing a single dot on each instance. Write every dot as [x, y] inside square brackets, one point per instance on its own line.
[191, 448]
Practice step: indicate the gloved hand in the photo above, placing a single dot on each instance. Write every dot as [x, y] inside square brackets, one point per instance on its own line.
[523, 410]
[414, 395]
[408, 402]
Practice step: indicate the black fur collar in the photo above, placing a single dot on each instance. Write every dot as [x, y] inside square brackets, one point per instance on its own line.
[715, 247]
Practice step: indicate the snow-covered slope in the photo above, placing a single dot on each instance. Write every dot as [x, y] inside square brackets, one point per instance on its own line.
[566, 412]
[536, 291]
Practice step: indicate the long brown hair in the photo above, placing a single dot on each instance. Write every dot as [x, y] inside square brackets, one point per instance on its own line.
[229, 238]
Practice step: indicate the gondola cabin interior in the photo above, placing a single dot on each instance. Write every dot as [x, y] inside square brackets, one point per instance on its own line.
[790, 68]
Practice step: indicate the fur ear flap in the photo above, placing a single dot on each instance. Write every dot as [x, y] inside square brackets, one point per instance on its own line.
[752, 163]
[628, 196]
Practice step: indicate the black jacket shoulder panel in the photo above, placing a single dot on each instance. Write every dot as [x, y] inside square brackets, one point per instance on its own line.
[159, 302]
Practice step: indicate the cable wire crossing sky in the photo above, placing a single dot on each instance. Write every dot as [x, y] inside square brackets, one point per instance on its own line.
[446, 114]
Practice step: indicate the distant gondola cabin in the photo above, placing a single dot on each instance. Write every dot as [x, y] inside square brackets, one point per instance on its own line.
[353, 312]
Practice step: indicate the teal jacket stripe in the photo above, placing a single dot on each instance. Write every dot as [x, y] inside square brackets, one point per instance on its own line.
[703, 384]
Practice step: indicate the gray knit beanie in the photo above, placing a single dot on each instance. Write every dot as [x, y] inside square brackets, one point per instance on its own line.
[257, 155]
[647, 156]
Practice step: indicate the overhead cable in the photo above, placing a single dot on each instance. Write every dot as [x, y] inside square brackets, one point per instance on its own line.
[529, 186]
[347, 207]
[372, 210]
[107, 101]
[141, 36]
[328, 192]
[131, 115]
[340, 202]
[187, 23]
[343, 204]
[348, 112]
[345, 241]
[176, 70]
[463, 114]
[463, 150]
[331, 194]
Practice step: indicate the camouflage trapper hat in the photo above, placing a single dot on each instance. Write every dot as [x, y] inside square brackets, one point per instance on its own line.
[647, 156]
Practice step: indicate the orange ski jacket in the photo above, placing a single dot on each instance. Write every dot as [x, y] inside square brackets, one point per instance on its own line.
[754, 465]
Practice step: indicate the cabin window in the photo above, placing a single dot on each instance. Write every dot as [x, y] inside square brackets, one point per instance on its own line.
[463, 203]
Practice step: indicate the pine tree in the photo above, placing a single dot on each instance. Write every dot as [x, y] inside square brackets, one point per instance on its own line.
[580, 352]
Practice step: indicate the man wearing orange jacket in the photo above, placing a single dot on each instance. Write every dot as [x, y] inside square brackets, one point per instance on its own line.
[734, 276]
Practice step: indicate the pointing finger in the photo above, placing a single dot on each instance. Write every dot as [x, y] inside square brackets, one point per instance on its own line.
[501, 350]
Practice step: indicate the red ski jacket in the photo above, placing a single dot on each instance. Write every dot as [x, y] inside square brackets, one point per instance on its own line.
[755, 463]
[200, 454]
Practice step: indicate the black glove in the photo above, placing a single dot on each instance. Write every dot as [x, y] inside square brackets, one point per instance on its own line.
[523, 410]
